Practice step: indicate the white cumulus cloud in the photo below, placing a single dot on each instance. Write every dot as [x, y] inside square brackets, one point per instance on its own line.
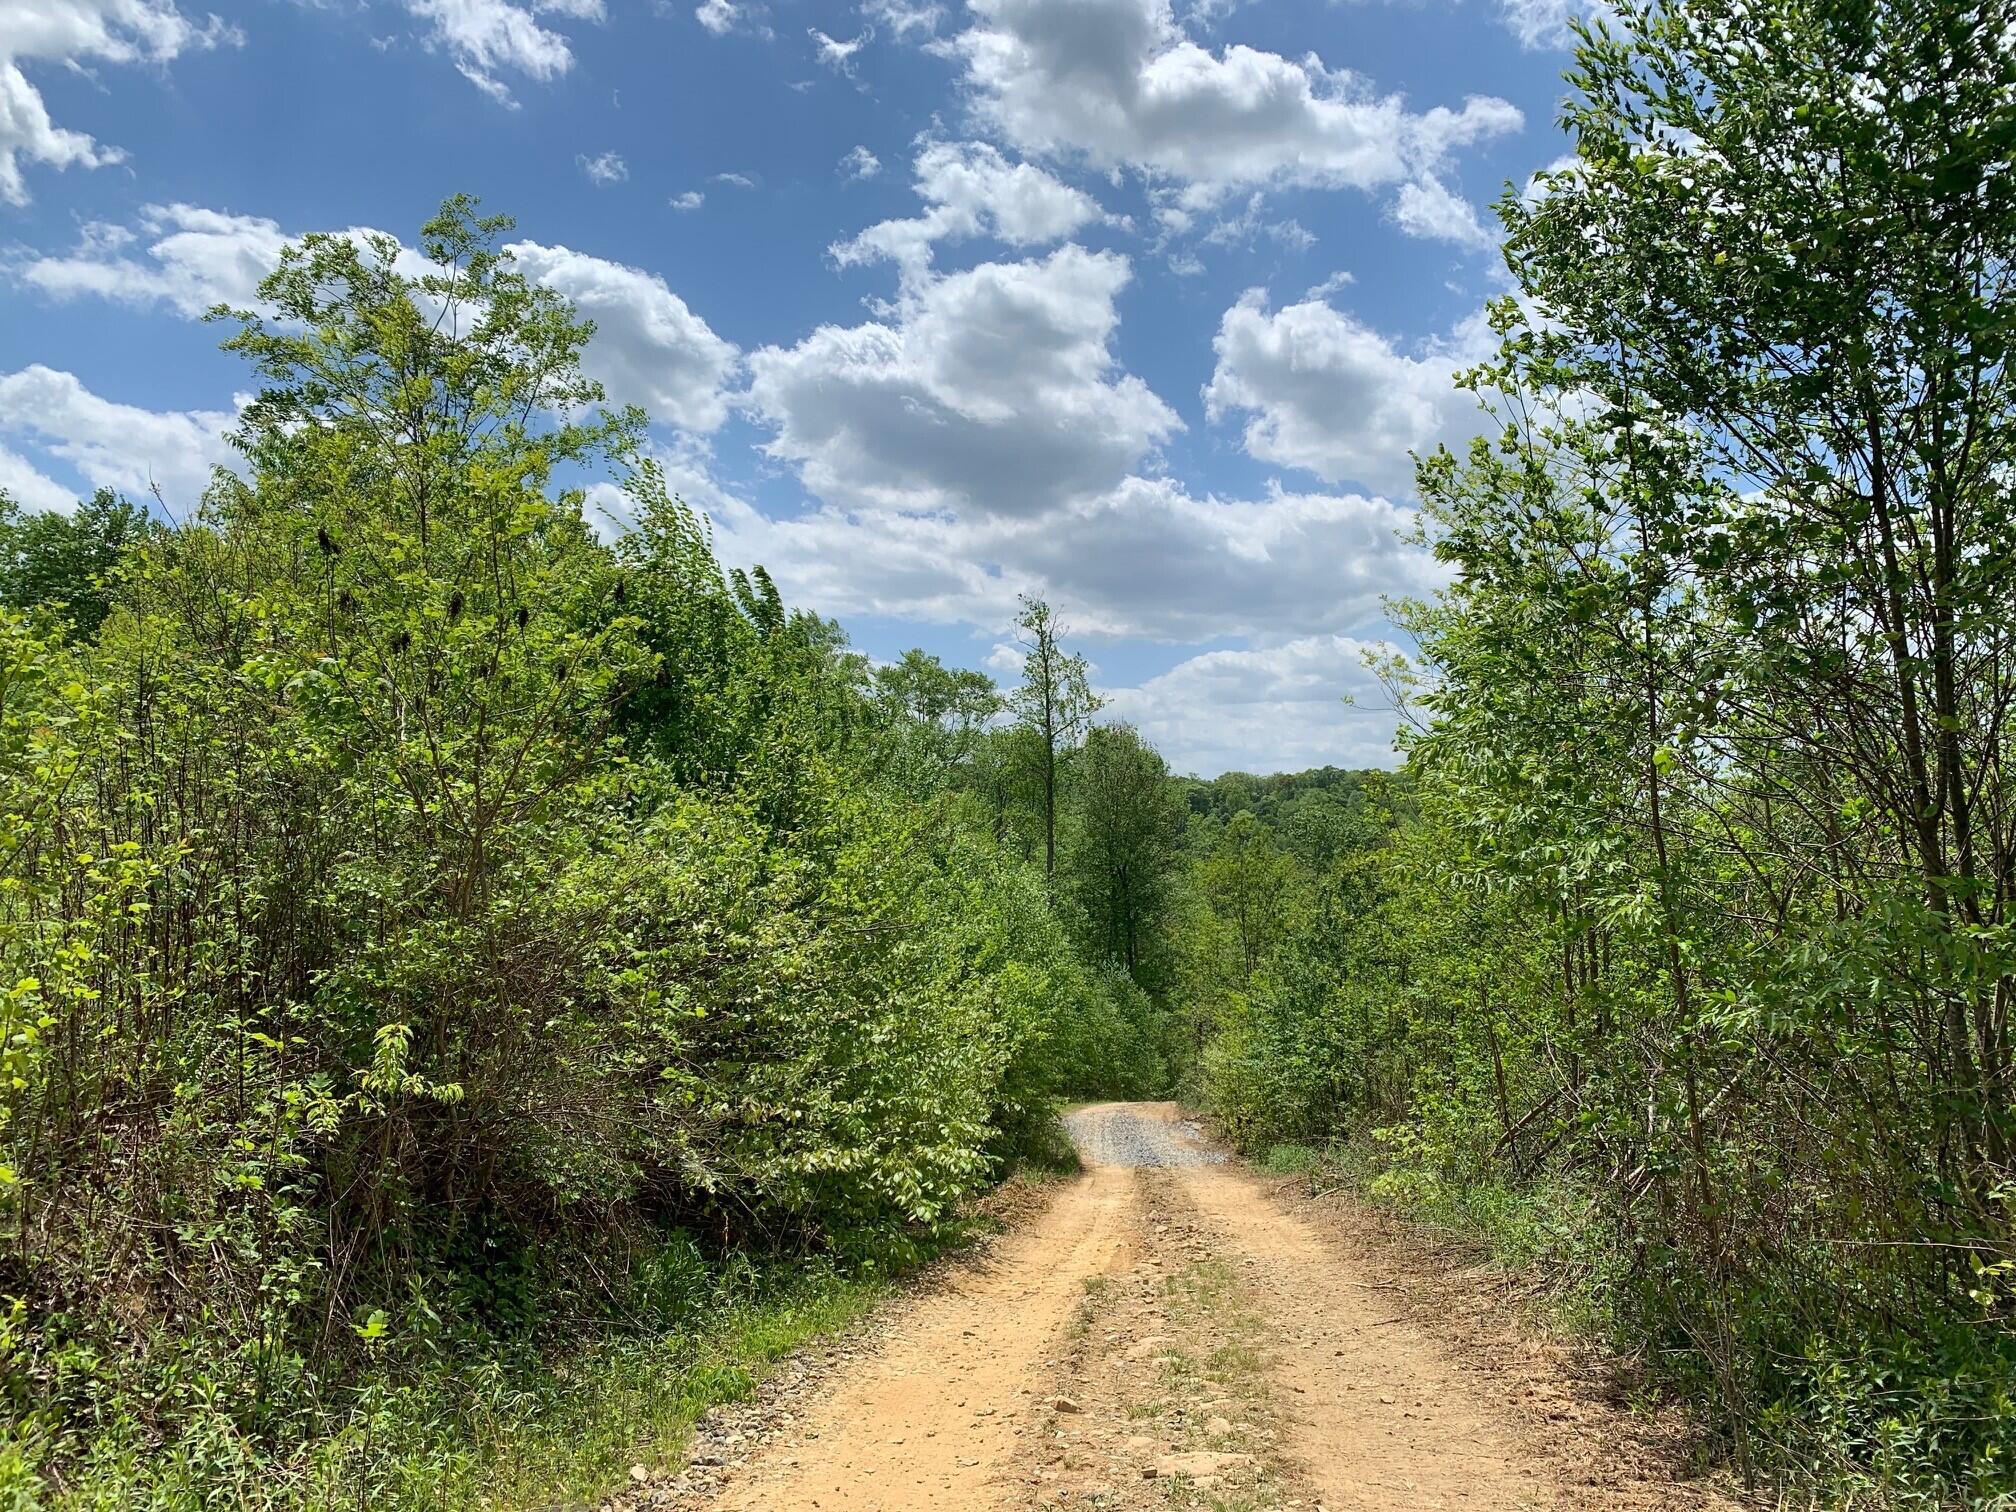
[1145, 559]
[970, 190]
[1325, 392]
[902, 17]
[1120, 84]
[835, 54]
[31, 488]
[194, 258]
[1545, 23]
[487, 38]
[650, 348]
[1428, 208]
[604, 168]
[1270, 709]
[114, 445]
[992, 389]
[69, 34]
[718, 16]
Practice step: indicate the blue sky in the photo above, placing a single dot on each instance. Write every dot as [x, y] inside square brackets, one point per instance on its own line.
[1136, 306]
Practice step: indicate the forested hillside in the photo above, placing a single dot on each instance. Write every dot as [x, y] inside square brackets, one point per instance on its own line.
[440, 945]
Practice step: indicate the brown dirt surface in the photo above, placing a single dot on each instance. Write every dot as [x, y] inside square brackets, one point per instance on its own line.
[1173, 1330]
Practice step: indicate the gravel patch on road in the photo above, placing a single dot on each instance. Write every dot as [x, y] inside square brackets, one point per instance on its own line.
[1116, 1136]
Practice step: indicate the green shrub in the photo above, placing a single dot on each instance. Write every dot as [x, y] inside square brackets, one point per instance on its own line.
[443, 956]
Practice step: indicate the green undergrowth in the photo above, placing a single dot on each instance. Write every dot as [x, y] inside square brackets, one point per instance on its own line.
[1289, 1159]
[1049, 1156]
[1864, 1424]
[1544, 1232]
[506, 1427]
[472, 991]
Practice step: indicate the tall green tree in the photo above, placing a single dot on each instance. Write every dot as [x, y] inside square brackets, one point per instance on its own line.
[1840, 360]
[1692, 938]
[430, 932]
[1715, 775]
[938, 715]
[1055, 704]
[1250, 881]
[69, 560]
[1128, 825]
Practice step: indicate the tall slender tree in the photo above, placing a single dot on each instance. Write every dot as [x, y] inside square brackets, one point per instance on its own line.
[1055, 703]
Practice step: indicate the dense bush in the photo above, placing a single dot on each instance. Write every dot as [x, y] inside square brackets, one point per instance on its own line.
[427, 929]
[1697, 919]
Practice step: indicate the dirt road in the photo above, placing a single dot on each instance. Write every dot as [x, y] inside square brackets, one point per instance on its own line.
[1173, 1331]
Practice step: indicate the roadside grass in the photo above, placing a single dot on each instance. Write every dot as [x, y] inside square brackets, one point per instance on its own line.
[1097, 1289]
[1546, 1233]
[1050, 1154]
[1289, 1159]
[499, 1432]
[510, 1428]
[639, 1405]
